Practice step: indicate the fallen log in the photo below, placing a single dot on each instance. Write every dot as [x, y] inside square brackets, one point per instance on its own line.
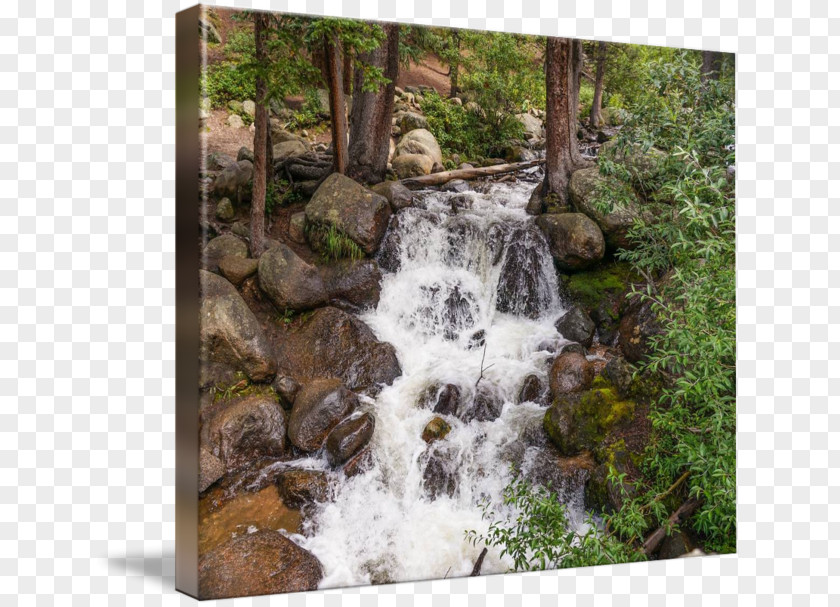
[477, 567]
[444, 176]
[654, 540]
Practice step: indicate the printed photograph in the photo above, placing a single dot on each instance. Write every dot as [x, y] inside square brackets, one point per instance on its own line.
[467, 303]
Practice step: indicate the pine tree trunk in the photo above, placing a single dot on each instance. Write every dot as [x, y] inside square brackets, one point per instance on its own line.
[370, 117]
[347, 76]
[710, 69]
[453, 66]
[338, 109]
[575, 69]
[559, 128]
[261, 172]
[595, 114]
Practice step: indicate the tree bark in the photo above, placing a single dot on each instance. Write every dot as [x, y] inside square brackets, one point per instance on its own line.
[477, 567]
[710, 69]
[338, 108]
[370, 116]
[595, 113]
[445, 176]
[453, 66]
[261, 172]
[347, 75]
[558, 127]
[654, 540]
[574, 103]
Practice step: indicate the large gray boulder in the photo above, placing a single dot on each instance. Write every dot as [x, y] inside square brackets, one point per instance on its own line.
[521, 289]
[349, 437]
[229, 333]
[288, 149]
[412, 165]
[352, 284]
[419, 141]
[332, 343]
[226, 245]
[264, 562]
[246, 429]
[576, 242]
[234, 181]
[319, 407]
[289, 281]
[614, 224]
[411, 121]
[352, 209]
[570, 372]
[397, 194]
[575, 325]
[531, 125]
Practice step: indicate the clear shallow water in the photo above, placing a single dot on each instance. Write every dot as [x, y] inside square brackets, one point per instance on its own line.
[383, 525]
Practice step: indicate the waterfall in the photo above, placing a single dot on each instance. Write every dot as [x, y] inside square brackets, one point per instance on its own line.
[471, 270]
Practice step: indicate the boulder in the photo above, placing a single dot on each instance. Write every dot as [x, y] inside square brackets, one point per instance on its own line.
[349, 437]
[235, 121]
[447, 399]
[237, 269]
[241, 229]
[352, 209]
[287, 389]
[226, 245]
[531, 125]
[332, 343]
[216, 161]
[229, 333]
[210, 469]
[246, 429]
[485, 406]
[245, 153]
[359, 463]
[264, 562]
[289, 281]
[234, 181]
[573, 347]
[601, 494]
[570, 372]
[288, 149]
[620, 374]
[398, 196]
[455, 185]
[440, 474]
[532, 389]
[575, 325]
[638, 324]
[614, 224]
[521, 289]
[575, 240]
[352, 284]
[435, 430]
[390, 249]
[249, 107]
[280, 135]
[297, 227]
[412, 165]
[675, 545]
[299, 488]
[319, 406]
[225, 210]
[419, 141]
[411, 120]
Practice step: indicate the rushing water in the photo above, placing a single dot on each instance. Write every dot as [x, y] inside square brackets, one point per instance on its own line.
[384, 525]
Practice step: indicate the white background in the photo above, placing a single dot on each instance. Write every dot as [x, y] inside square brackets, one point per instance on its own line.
[87, 278]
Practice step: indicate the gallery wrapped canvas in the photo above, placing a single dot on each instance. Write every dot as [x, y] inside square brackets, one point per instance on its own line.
[450, 303]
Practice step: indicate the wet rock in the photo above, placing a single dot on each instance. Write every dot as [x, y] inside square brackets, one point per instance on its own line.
[412, 165]
[264, 562]
[445, 399]
[290, 282]
[455, 185]
[398, 196]
[497, 236]
[226, 245]
[349, 437]
[457, 313]
[229, 333]
[532, 389]
[297, 227]
[620, 374]
[435, 430]
[287, 389]
[332, 343]
[477, 340]
[210, 469]
[237, 269]
[224, 210]
[440, 476]
[583, 190]
[352, 209]
[521, 290]
[246, 429]
[460, 201]
[419, 141]
[234, 181]
[319, 407]
[575, 325]
[299, 488]
[573, 347]
[352, 284]
[638, 324]
[359, 463]
[575, 240]
[485, 406]
[675, 545]
[581, 421]
[562, 475]
[570, 372]
[601, 494]
[389, 253]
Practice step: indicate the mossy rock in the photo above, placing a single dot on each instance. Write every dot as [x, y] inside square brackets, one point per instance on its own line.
[582, 421]
[601, 494]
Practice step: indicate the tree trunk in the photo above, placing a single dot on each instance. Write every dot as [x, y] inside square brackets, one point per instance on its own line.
[574, 103]
[595, 114]
[338, 109]
[682, 513]
[370, 117]
[559, 129]
[347, 75]
[453, 66]
[710, 69]
[445, 176]
[261, 172]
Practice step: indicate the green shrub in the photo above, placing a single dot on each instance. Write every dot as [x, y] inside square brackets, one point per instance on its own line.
[332, 243]
[227, 81]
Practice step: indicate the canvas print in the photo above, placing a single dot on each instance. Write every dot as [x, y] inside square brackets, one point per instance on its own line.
[466, 302]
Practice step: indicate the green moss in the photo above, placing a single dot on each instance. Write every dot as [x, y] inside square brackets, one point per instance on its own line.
[242, 387]
[591, 287]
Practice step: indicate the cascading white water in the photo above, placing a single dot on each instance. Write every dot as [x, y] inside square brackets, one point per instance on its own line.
[384, 525]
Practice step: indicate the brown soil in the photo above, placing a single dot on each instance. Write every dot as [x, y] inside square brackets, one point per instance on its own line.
[430, 72]
[223, 138]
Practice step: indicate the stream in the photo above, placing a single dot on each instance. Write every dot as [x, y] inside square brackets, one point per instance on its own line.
[450, 252]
